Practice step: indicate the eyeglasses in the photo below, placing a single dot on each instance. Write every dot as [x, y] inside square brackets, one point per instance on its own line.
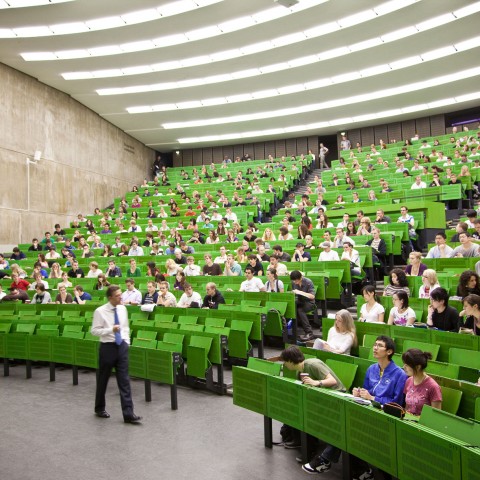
[378, 345]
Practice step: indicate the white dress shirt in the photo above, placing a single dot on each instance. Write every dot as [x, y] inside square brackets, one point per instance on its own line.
[104, 320]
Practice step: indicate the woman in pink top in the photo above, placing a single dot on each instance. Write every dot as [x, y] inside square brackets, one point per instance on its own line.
[420, 389]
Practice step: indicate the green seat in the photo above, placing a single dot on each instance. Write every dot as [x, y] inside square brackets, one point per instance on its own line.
[72, 328]
[191, 328]
[425, 347]
[28, 328]
[238, 344]
[344, 371]
[465, 358]
[139, 316]
[442, 369]
[147, 334]
[280, 306]
[5, 327]
[46, 329]
[215, 322]
[264, 366]
[170, 325]
[162, 317]
[73, 334]
[251, 303]
[197, 356]
[71, 314]
[451, 399]
[219, 330]
[144, 343]
[49, 313]
[369, 340]
[187, 320]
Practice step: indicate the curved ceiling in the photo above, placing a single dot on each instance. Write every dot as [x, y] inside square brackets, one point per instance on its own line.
[192, 73]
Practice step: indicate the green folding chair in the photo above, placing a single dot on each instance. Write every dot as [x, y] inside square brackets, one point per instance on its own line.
[451, 399]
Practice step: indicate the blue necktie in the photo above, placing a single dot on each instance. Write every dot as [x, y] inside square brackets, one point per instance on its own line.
[118, 335]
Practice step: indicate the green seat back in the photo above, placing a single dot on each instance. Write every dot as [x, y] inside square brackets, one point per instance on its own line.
[369, 340]
[344, 371]
[264, 366]
[144, 343]
[26, 328]
[425, 347]
[51, 330]
[442, 369]
[465, 358]
[451, 399]
[215, 322]
[147, 334]
[173, 337]
[169, 325]
[5, 327]
[162, 317]
[72, 328]
[241, 325]
[187, 320]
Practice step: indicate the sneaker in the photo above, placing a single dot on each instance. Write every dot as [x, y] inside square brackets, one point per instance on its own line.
[291, 445]
[321, 467]
[367, 475]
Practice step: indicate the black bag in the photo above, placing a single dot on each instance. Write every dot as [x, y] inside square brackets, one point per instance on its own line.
[394, 409]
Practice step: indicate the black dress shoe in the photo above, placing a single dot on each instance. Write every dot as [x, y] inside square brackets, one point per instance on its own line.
[133, 419]
[102, 414]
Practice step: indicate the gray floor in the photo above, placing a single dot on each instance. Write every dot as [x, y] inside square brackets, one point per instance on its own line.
[49, 432]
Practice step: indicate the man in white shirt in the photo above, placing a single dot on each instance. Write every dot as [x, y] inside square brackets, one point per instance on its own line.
[151, 227]
[340, 238]
[229, 215]
[191, 270]
[134, 228]
[165, 298]
[110, 323]
[216, 216]
[418, 183]
[467, 247]
[131, 296]
[328, 255]
[222, 258]
[190, 298]
[276, 265]
[135, 250]
[344, 222]
[251, 284]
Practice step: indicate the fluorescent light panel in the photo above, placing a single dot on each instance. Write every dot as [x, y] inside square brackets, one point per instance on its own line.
[335, 122]
[389, 92]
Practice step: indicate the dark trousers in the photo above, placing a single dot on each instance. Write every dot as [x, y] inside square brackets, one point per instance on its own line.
[302, 319]
[113, 355]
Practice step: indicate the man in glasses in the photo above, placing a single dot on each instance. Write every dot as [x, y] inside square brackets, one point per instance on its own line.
[384, 382]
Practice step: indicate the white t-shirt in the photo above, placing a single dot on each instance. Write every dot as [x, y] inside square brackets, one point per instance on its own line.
[402, 318]
[191, 270]
[252, 285]
[331, 256]
[94, 273]
[185, 300]
[372, 315]
[340, 341]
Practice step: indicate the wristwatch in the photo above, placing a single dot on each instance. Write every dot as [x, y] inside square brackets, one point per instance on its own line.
[320, 384]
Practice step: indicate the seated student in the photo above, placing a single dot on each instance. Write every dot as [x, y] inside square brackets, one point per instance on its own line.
[371, 311]
[429, 283]
[273, 284]
[75, 271]
[384, 382]
[401, 314]
[133, 270]
[38, 281]
[4, 264]
[397, 282]
[441, 249]
[280, 254]
[251, 284]
[189, 299]
[471, 309]
[63, 297]
[113, 270]
[165, 298]
[152, 295]
[255, 264]
[17, 254]
[210, 268]
[16, 294]
[35, 246]
[213, 297]
[131, 296]
[310, 371]
[352, 255]
[415, 267]
[420, 389]
[341, 337]
[81, 296]
[328, 255]
[300, 254]
[41, 296]
[379, 248]
[19, 283]
[468, 284]
[102, 282]
[440, 314]
[93, 271]
[467, 247]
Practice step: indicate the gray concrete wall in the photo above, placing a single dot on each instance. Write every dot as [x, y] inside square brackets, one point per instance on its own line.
[86, 161]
